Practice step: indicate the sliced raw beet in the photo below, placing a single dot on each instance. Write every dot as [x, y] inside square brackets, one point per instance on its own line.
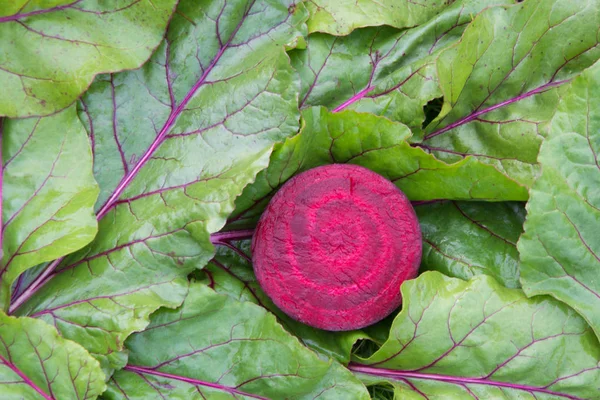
[334, 245]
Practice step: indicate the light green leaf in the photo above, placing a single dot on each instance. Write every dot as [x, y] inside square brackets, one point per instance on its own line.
[464, 239]
[174, 144]
[477, 339]
[51, 50]
[500, 82]
[382, 70]
[380, 145]
[231, 273]
[216, 347]
[36, 363]
[560, 249]
[49, 193]
[343, 16]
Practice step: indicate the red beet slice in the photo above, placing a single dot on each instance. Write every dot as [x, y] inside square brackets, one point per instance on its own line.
[334, 245]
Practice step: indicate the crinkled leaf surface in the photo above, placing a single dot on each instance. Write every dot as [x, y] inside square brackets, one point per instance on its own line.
[477, 339]
[174, 143]
[51, 50]
[49, 193]
[380, 145]
[464, 239]
[36, 363]
[499, 81]
[343, 16]
[231, 273]
[560, 249]
[382, 70]
[216, 347]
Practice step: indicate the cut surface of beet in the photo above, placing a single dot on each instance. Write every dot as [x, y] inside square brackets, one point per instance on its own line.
[334, 245]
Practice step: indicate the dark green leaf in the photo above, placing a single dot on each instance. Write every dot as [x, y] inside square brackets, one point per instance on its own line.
[464, 239]
[216, 347]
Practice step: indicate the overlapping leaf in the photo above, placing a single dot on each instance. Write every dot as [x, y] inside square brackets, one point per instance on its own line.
[230, 273]
[216, 347]
[36, 363]
[380, 145]
[477, 339]
[343, 16]
[49, 193]
[52, 50]
[382, 70]
[500, 81]
[174, 143]
[464, 239]
[560, 249]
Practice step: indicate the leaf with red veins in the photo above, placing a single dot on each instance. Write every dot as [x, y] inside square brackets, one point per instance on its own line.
[440, 344]
[215, 346]
[560, 249]
[37, 363]
[380, 145]
[52, 50]
[48, 193]
[454, 233]
[231, 273]
[382, 70]
[502, 82]
[174, 144]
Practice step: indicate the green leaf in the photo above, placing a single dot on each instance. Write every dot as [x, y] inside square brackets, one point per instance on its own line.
[464, 239]
[380, 145]
[36, 363]
[500, 81]
[52, 50]
[560, 249]
[477, 339]
[216, 347]
[49, 193]
[382, 70]
[342, 17]
[231, 273]
[174, 143]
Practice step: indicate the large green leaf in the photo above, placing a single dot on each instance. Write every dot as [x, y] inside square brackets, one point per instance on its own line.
[500, 81]
[560, 249]
[231, 273]
[51, 50]
[174, 143]
[382, 70]
[216, 347]
[36, 363]
[340, 17]
[464, 239]
[477, 339]
[49, 193]
[380, 145]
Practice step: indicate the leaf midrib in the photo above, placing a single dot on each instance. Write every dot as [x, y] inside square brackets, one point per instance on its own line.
[457, 380]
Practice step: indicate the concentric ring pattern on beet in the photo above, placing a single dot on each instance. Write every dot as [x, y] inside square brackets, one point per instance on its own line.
[334, 245]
